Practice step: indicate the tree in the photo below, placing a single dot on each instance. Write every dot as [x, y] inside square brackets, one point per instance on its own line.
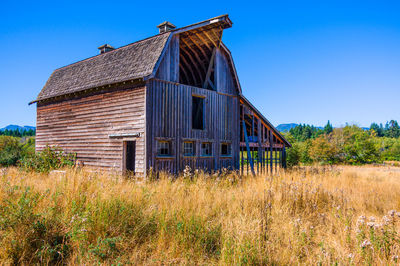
[323, 151]
[392, 129]
[328, 128]
[359, 146]
[377, 129]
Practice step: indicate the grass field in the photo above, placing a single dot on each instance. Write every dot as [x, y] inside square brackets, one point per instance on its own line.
[343, 214]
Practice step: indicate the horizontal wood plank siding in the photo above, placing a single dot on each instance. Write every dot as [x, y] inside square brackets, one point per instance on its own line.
[170, 117]
[83, 126]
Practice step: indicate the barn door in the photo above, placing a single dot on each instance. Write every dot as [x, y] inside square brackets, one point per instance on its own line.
[130, 150]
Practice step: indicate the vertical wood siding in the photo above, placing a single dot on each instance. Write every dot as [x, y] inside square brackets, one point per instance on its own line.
[223, 77]
[169, 66]
[169, 116]
[83, 126]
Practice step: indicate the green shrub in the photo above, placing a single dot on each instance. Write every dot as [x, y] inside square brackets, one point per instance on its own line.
[10, 150]
[48, 159]
[293, 155]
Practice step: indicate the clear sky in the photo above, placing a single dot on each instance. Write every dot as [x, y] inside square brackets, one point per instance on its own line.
[300, 61]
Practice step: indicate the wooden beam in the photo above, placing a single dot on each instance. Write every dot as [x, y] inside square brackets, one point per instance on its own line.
[211, 39]
[216, 35]
[181, 68]
[195, 54]
[199, 47]
[204, 41]
[212, 85]
[268, 127]
[217, 21]
[189, 67]
[210, 67]
[199, 73]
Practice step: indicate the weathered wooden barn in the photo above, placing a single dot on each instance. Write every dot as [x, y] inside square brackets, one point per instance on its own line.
[161, 103]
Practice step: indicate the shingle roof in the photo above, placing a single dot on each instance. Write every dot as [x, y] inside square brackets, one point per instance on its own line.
[129, 62]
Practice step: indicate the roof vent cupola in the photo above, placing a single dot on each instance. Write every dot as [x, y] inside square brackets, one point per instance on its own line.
[105, 48]
[166, 26]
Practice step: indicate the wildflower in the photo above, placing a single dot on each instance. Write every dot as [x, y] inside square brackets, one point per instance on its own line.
[392, 213]
[377, 226]
[371, 224]
[74, 218]
[361, 220]
[83, 230]
[395, 258]
[297, 222]
[187, 172]
[386, 219]
[372, 219]
[398, 214]
[350, 256]
[365, 243]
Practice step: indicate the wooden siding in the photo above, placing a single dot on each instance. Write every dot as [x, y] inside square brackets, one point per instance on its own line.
[223, 77]
[83, 126]
[169, 65]
[169, 116]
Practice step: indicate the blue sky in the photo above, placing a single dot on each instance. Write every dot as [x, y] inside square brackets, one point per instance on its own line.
[300, 61]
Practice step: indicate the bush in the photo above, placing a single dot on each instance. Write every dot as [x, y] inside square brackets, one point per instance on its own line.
[359, 147]
[10, 150]
[293, 155]
[48, 159]
[323, 151]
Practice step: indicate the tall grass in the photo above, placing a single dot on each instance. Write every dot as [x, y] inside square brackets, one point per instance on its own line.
[342, 215]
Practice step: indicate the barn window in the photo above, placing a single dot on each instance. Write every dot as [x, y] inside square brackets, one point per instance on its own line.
[197, 112]
[164, 148]
[206, 149]
[189, 148]
[225, 149]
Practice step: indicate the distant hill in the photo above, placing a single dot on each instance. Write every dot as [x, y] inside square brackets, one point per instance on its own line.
[286, 127]
[20, 128]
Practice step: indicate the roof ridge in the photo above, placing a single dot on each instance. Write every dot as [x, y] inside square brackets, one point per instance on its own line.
[116, 49]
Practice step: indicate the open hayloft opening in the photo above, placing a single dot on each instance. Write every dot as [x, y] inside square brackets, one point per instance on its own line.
[197, 50]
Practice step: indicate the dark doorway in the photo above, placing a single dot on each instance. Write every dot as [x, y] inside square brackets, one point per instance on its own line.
[130, 148]
[197, 112]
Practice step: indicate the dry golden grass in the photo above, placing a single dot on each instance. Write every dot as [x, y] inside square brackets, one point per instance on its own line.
[305, 216]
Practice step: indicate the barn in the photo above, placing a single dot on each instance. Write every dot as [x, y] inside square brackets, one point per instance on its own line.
[163, 103]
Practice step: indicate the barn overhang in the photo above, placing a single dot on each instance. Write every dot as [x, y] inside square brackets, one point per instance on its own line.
[259, 127]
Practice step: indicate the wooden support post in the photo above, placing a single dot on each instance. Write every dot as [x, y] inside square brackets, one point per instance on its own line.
[259, 161]
[249, 158]
[270, 151]
[284, 158]
[252, 125]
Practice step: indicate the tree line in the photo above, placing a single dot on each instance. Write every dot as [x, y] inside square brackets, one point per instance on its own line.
[346, 145]
[304, 132]
[18, 133]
